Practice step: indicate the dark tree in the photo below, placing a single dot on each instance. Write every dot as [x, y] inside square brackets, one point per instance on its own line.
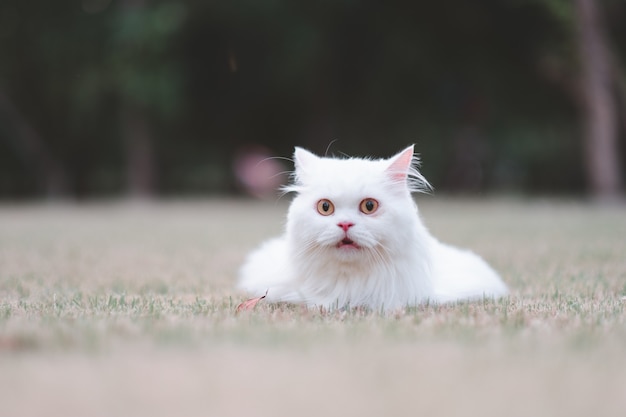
[598, 102]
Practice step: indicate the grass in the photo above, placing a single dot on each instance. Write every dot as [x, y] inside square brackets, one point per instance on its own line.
[128, 309]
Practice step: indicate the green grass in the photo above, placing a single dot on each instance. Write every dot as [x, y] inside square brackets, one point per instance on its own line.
[129, 309]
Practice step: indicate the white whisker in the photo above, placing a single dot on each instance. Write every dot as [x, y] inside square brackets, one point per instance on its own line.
[329, 145]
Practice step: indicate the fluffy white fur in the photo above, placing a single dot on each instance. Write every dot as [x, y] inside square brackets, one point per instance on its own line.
[394, 261]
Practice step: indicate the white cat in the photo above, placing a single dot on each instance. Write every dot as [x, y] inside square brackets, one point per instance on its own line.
[354, 238]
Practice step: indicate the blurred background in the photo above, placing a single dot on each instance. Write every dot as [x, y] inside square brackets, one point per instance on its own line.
[107, 98]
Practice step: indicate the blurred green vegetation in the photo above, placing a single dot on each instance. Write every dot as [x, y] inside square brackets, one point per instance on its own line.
[104, 97]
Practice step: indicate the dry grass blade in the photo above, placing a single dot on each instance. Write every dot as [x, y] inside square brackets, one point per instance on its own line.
[250, 303]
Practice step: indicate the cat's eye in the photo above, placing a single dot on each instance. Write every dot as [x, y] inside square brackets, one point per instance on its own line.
[368, 206]
[325, 207]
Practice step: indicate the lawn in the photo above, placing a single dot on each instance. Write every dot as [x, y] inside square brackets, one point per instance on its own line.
[128, 309]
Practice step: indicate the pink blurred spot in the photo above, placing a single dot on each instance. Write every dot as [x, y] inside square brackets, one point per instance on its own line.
[258, 172]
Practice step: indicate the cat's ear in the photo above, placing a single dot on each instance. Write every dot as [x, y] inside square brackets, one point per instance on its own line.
[402, 169]
[400, 165]
[303, 160]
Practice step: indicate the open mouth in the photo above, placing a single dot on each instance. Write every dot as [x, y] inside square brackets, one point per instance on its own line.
[347, 243]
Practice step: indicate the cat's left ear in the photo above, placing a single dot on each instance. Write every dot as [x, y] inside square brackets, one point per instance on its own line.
[400, 165]
[303, 159]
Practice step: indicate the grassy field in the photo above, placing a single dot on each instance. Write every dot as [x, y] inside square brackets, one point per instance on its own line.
[120, 309]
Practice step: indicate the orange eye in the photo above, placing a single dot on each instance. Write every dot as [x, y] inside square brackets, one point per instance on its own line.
[368, 206]
[325, 207]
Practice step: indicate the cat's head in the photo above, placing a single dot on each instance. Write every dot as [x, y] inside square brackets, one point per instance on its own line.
[351, 207]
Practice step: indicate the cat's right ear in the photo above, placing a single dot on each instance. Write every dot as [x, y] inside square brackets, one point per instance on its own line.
[400, 167]
[303, 160]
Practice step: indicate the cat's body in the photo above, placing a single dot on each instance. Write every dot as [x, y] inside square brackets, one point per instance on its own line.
[354, 237]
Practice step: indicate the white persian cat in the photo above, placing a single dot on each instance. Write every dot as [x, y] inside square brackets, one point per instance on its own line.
[354, 238]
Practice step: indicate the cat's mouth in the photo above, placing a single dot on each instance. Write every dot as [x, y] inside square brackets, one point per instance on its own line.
[347, 243]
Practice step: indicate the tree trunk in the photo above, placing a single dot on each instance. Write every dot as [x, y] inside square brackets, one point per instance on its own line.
[599, 106]
[31, 147]
[138, 135]
[139, 152]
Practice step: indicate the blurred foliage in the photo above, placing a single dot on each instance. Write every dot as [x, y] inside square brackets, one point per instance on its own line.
[480, 87]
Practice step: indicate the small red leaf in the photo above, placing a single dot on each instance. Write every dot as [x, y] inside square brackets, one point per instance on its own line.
[250, 304]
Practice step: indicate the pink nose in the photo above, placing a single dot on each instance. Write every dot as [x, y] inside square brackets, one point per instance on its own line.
[345, 225]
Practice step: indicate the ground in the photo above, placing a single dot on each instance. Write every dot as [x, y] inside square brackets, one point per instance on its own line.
[128, 309]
